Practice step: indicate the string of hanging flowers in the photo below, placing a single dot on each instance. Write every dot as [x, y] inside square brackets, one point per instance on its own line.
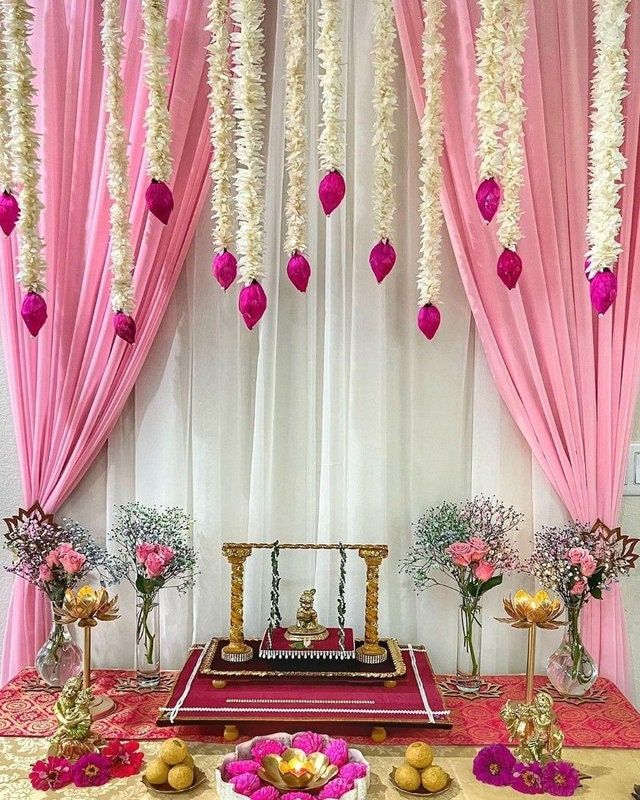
[383, 255]
[17, 19]
[509, 232]
[430, 173]
[122, 295]
[249, 103]
[296, 147]
[225, 265]
[157, 119]
[331, 146]
[606, 161]
[9, 209]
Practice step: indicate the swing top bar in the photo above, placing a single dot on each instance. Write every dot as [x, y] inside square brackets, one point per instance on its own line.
[382, 549]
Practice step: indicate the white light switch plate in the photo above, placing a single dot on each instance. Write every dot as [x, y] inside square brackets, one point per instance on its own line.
[632, 478]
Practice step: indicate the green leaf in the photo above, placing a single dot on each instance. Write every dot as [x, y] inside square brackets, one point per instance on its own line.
[494, 581]
[596, 592]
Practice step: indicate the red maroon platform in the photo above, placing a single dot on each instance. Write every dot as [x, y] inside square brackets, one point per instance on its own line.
[614, 723]
[319, 702]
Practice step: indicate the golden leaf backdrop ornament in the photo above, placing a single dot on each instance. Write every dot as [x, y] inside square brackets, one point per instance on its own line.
[86, 606]
[624, 545]
[539, 609]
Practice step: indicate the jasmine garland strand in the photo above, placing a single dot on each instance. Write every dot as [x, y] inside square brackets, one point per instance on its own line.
[342, 604]
[275, 618]
[9, 209]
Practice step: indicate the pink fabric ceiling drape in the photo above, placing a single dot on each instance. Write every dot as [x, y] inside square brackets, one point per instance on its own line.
[69, 385]
[569, 379]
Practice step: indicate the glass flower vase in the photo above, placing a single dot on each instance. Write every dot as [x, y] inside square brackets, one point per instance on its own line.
[570, 669]
[59, 658]
[469, 645]
[147, 640]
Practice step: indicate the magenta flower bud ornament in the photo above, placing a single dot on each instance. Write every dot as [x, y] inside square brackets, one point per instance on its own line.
[224, 268]
[603, 288]
[488, 198]
[34, 312]
[252, 304]
[429, 320]
[125, 327]
[9, 213]
[299, 271]
[331, 191]
[159, 200]
[509, 268]
[381, 259]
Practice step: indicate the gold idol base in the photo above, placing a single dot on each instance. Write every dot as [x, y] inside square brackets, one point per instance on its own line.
[296, 633]
[371, 654]
[237, 653]
[101, 706]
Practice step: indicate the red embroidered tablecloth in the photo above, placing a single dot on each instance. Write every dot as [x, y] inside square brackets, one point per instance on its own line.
[613, 723]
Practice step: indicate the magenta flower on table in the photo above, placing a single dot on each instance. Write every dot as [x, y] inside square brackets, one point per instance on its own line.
[267, 747]
[241, 767]
[266, 793]
[309, 742]
[335, 789]
[297, 796]
[247, 783]
[337, 751]
[353, 771]
[91, 769]
[527, 778]
[494, 765]
[50, 773]
[560, 779]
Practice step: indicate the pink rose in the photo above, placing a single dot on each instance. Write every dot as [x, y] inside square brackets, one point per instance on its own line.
[267, 747]
[576, 554]
[52, 560]
[247, 783]
[155, 565]
[479, 548]
[352, 771]
[461, 553]
[484, 570]
[335, 789]
[44, 573]
[337, 751]
[72, 562]
[578, 587]
[588, 565]
[143, 551]
[240, 767]
[165, 553]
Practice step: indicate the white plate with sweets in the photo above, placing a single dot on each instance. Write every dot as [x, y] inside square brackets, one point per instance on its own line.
[173, 771]
[418, 775]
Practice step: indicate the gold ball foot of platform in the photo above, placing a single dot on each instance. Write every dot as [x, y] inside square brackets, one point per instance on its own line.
[371, 654]
[237, 653]
[231, 733]
[390, 684]
[378, 735]
[218, 684]
[102, 706]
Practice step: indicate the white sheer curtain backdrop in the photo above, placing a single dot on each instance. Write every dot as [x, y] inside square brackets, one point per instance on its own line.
[334, 420]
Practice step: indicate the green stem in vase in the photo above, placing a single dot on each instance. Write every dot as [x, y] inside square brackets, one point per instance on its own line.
[142, 625]
[575, 644]
[469, 616]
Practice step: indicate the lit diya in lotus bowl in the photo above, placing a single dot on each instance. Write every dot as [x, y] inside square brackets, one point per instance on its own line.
[294, 769]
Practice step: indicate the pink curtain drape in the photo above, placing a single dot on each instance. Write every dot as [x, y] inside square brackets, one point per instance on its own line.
[69, 385]
[569, 379]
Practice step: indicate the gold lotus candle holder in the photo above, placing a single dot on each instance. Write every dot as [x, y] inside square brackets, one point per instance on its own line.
[294, 769]
[532, 723]
[87, 606]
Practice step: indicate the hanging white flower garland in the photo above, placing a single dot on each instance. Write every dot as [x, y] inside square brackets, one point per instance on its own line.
[296, 145]
[221, 134]
[157, 119]
[383, 256]
[331, 145]
[249, 105]
[9, 209]
[606, 161]
[17, 22]
[122, 295]
[430, 173]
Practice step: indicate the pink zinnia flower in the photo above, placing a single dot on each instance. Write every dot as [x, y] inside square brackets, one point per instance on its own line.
[144, 550]
[527, 778]
[45, 573]
[125, 758]
[494, 764]
[337, 751]
[461, 553]
[91, 769]
[50, 773]
[560, 778]
[484, 570]
[155, 565]
[246, 784]
[241, 767]
[351, 772]
[72, 562]
[335, 789]
[310, 742]
[267, 747]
